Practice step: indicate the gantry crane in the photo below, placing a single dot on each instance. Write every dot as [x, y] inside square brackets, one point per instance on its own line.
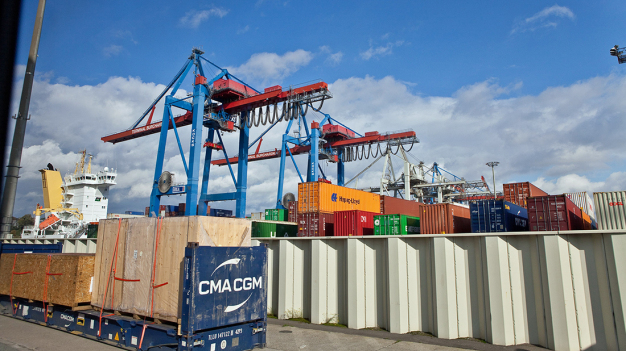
[227, 104]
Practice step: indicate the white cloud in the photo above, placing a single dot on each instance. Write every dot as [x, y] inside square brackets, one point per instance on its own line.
[112, 50]
[382, 50]
[332, 59]
[270, 67]
[545, 18]
[194, 18]
[243, 30]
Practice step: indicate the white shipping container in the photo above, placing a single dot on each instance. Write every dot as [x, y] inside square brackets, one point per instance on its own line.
[584, 201]
[610, 209]
[258, 216]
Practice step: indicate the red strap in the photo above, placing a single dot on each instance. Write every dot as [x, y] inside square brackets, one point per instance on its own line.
[111, 270]
[127, 280]
[160, 285]
[54, 273]
[20, 273]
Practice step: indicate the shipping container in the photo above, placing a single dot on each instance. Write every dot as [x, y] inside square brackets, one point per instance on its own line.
[354, 223]
[320, 197]
[216, 212]
[553, 212]
[147, 213]
[610, 209]
[584, 201]
[445, 219]
[181, 208]
[273, 214]
[273, 229]
[315, 224]
[257, 216]
[518, 192]
[489, 216]
[396, 224]
[394, 205]
[292, 207]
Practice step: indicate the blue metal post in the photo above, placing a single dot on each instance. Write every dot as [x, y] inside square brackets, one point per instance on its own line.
[195, 149]
[314, 155]
[281, 172]
[205, 173]
[155, 198]
[340, 168]
[242, 171]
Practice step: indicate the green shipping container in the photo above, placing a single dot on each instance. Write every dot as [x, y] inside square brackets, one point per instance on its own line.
[396, 224]
[273, 229]
[273, 214]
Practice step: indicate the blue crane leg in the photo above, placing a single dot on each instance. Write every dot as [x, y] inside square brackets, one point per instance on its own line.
[340, 168]
[206, 172]
[281, 173]
[155, 198]
[314, 155]
[242, 172]
[195, 149]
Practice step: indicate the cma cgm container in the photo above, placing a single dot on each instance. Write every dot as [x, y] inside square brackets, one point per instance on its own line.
[216, 212]
[393, 205]
[329, 198]
[517, 193]
[315, 224]
[489, 216]
[396, 224]
[610, 209]
[553, 212]
[274, 214]
[354, 223]
[445, 219]
[273, 229]
[584, 201]
[292, 207]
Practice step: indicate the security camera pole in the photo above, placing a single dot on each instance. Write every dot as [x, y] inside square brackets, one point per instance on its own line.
[493, 174]
[619, 53]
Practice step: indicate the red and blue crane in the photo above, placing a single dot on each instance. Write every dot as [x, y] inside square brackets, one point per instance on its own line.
[225, 103]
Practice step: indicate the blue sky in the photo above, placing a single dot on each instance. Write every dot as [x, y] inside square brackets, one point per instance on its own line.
[529, 83]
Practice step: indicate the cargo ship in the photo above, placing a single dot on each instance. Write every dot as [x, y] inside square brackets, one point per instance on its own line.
[73, 204]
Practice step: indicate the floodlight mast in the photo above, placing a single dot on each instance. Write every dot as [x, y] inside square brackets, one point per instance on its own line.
[619, 53]
[493, 174]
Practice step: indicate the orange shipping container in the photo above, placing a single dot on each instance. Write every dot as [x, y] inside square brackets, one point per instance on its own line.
[586, 221]
[517, 193]
[445, 219]
[329, 198]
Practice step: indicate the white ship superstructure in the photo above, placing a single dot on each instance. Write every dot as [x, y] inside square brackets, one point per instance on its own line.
[70, 204]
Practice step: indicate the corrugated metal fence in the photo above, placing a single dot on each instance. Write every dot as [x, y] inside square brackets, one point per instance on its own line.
[564, 291]
[69, 245]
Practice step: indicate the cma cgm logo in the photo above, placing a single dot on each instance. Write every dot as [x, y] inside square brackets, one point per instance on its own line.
[333, 197]
[238, 284]
[616, 203]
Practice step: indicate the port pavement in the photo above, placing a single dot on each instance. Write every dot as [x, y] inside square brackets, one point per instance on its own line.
[282, 336]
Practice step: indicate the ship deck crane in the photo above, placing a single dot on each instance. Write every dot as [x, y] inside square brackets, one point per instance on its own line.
[227, 104]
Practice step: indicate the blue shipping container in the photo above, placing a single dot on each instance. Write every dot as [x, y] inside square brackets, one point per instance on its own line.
[498, 216]
[135, 213]
[216, 212]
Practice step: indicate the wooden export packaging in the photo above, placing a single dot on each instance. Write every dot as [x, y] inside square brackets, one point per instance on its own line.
[68, 282]
[131, 292]
[445, 219]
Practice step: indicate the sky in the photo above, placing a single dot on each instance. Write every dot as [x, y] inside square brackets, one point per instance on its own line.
[530, 84]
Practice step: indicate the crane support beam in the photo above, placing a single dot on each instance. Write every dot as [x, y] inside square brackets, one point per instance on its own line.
[153, 128]
[404, 137]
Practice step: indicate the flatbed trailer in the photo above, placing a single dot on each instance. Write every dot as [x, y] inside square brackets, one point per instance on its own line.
[233, 318]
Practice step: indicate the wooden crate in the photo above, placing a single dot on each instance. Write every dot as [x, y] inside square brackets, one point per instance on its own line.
[72, 287]
[135, 260]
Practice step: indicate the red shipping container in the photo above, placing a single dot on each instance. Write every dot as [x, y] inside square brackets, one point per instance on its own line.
[553, 212]
[445, 219]
[354, 223]
[315, 224]
[394, 205]
[517, 193]
[292, 207]
[147, 213]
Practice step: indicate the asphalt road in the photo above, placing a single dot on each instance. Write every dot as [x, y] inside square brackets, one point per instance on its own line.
[282, 336]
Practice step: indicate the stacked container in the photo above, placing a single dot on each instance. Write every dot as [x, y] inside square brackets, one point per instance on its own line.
[488, 216]
[444, 219]
[354, 223]
[292, 207]
[517, 193]
[584, 201]
[394, 205]
[258, 216]
[216, 212]
[274, 214]
[315, 224]
[610, 209]
[396, 224]
[273, 229]
[321, 197]
[553, 212]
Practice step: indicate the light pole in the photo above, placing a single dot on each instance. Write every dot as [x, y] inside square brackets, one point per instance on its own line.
[493, 174]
